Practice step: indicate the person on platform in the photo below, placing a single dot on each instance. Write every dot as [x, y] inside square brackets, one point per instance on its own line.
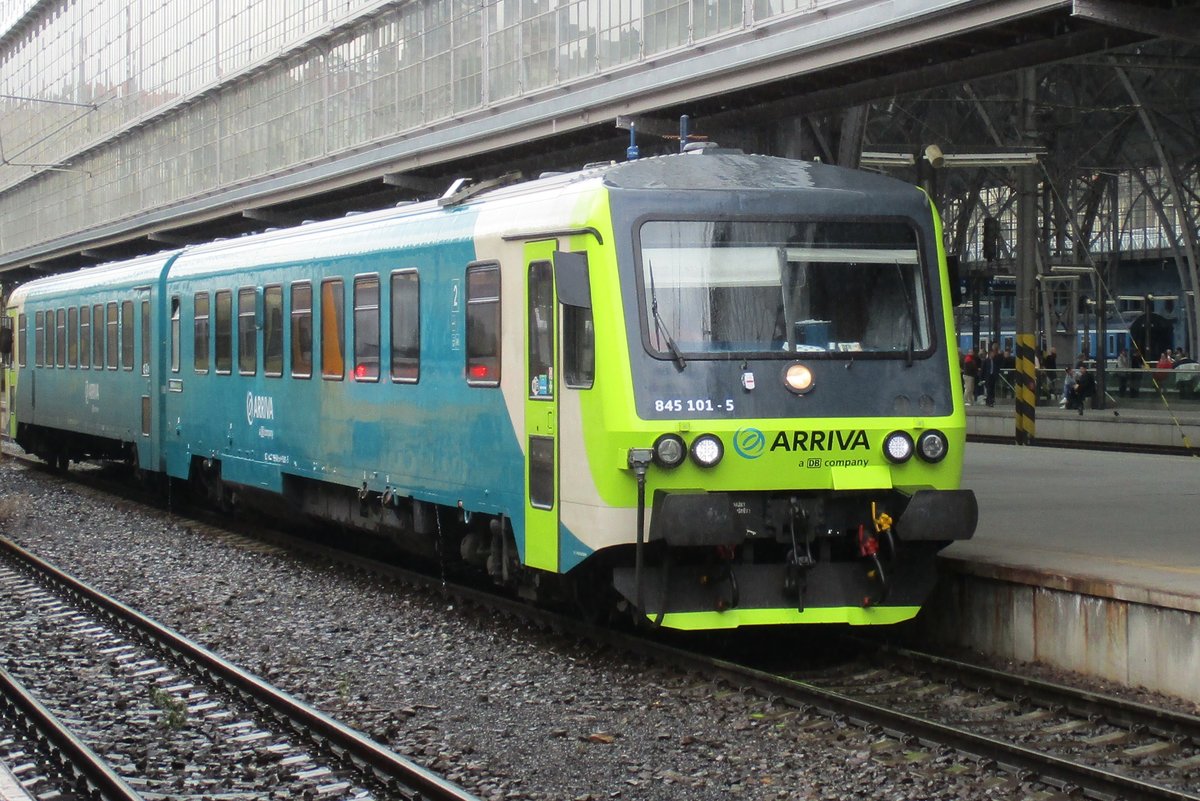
[1068, 392]
[1085, 388]
[991, 373]
[1136, 363]
[1050, 365]
[1163, 366]
[1122, 372]
[970, 371]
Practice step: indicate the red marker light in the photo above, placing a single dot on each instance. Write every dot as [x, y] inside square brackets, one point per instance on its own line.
[360, 371]
[478, 371]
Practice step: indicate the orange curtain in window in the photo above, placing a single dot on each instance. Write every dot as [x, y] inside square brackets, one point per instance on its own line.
[332, 361]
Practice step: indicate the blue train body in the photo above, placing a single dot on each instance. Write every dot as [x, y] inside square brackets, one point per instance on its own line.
[488, 379]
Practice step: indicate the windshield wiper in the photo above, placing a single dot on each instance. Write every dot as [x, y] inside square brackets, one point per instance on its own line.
[912, 317]
[660, 326]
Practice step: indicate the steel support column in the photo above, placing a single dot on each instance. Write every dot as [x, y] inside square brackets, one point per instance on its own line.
[1026, 271]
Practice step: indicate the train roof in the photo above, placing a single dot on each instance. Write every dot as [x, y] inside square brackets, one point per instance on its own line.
[133, 272]
[725, 170]
[711, 170]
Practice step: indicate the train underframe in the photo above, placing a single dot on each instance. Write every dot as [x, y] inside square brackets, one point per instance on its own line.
[715, 552]
[704, 551]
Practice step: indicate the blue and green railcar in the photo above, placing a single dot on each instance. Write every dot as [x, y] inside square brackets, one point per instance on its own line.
[716, 388]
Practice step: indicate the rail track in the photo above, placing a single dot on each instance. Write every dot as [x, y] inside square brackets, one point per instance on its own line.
[1032, 732]
[46, 758]
[173, 718]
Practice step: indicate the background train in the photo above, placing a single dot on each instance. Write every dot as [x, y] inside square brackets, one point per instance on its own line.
[1114, 341]
[714, 388]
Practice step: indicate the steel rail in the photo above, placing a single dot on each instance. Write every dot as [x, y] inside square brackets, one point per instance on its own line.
[75, 754]
[387, 765]
[1050, 769]
[1117, 711]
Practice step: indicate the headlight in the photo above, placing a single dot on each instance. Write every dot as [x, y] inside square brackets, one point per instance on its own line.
[707, 450]
[798, 378]
[898, 447]
[669, 450]
[932, 446]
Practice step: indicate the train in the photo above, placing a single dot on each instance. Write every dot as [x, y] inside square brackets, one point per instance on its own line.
[706, 390]
[1116, 339]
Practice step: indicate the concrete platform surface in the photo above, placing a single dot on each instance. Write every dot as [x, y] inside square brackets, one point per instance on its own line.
[1128, 520]
[1150, 426]
[1084, 560]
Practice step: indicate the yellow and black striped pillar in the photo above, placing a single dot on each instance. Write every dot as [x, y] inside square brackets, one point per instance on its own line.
[1026, 388]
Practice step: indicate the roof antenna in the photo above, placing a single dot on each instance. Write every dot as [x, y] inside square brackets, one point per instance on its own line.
[683, 132]
[631, 152]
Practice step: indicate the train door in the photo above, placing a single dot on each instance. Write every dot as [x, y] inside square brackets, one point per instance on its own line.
[8, 370]
[541, 408]
[147, 458]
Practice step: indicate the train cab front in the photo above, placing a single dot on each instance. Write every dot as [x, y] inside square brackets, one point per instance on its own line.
[797, 440]
[723, 559]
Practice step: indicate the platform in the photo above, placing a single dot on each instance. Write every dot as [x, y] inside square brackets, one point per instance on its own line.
[1145, 423]
[1082, 560]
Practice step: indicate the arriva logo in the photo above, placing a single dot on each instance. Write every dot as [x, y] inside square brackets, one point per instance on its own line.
[259, 407]
[749, 442]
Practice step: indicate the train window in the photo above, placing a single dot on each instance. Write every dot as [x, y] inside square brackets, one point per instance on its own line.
[72, 337]
[127, 334]
[22, 335]
[541, 472]
[247, 332]
[541, 330]
[175, 331]
[273, 331]
[366, 328]
[60, 345]
[483, 325]
[302, 331]
[50, 338]
[406, 326]
[827, 289]
[98, 336]
[85, 336]
[39, 339]
[114, 334]
[223, 331]
[145, 337]
[333, 329]
[200, 327]
[579, 347]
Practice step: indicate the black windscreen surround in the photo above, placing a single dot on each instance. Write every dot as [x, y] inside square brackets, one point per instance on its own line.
[757, 263]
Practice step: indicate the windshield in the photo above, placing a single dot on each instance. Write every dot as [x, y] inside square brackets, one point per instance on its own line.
[772, 288]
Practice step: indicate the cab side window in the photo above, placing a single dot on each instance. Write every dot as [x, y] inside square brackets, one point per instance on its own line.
[333, 330]
[127, 334]
[247, 332]
[200, 312]
[273, 331]
[224, 332]
[113, 334]
[483, 325]
[302, 330]
[366, 328]
[406, 326]
[85, 336]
